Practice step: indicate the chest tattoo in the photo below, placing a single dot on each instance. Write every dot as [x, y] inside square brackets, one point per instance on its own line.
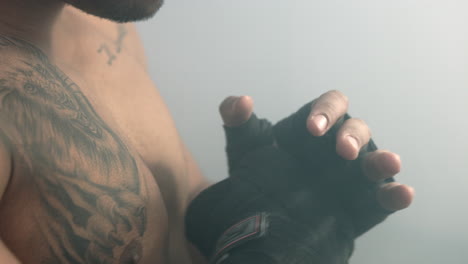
[92, 198]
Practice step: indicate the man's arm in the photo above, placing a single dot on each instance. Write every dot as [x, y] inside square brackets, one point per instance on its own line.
[262, 213]
[213, 207]
[378, 165]
[5, 172]
[197, 183]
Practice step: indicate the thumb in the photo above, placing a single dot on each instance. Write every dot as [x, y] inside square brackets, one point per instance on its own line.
[244, 131]
[236, 110]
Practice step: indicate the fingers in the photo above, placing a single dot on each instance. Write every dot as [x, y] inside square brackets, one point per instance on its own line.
[369, 207]
[395, 196]
[381, 165]
[384, 201]
[236, 110]
[326, 110]
[374, 195]
[351, 137]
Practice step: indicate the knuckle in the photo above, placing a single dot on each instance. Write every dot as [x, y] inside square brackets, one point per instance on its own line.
[329, 108]
[339, 95]
[359, 121]
[362, 126]
[381, 152]
[224, 105]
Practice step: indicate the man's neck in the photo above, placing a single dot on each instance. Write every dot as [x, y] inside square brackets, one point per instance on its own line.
[30, 20]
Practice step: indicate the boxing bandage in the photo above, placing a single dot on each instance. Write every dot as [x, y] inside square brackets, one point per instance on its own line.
[269, 210]
[296, 204]
[348, 183]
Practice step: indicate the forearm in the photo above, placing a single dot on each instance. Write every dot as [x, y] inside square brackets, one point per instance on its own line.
[197, 182]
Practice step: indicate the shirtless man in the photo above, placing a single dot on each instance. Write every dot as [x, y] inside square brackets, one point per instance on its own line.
[92, 167]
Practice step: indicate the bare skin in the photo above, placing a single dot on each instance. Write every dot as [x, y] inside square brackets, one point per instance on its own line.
[93, 169]
[130, 113]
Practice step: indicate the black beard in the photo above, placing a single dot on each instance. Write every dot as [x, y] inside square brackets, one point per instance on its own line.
[120, 11]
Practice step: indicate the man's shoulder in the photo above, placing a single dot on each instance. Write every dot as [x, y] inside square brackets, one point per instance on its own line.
[13, 49]
[25, 72]
[16, 55]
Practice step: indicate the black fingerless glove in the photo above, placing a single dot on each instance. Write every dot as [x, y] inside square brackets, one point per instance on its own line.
[318, 154]
[265, 212]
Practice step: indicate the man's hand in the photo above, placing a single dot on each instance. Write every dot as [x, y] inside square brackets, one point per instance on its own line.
[306, 124]
[291, 196]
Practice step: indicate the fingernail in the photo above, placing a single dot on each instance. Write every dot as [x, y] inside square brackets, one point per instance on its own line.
[320, 121]
[353, 142]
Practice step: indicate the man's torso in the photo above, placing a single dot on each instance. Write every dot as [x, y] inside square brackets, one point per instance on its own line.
[100, 174]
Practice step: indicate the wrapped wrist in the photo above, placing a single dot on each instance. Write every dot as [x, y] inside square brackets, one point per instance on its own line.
[231, 220]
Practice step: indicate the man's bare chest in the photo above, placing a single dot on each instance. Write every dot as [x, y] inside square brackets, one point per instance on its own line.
[109, 66]
[88, 144]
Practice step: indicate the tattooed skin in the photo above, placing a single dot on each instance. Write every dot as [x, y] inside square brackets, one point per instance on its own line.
[110, 55]
[122, 32]
[92, 198]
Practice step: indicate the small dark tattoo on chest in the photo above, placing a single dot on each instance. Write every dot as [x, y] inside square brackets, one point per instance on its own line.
[111, 51]
[107, 51]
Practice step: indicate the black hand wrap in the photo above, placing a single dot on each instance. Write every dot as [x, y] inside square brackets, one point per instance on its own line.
[264, 212]
[318, 154]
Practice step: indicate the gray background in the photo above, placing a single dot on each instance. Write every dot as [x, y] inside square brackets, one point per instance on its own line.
[403, 64]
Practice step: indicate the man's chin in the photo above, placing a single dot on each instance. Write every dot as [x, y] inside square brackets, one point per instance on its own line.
[119, 10]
